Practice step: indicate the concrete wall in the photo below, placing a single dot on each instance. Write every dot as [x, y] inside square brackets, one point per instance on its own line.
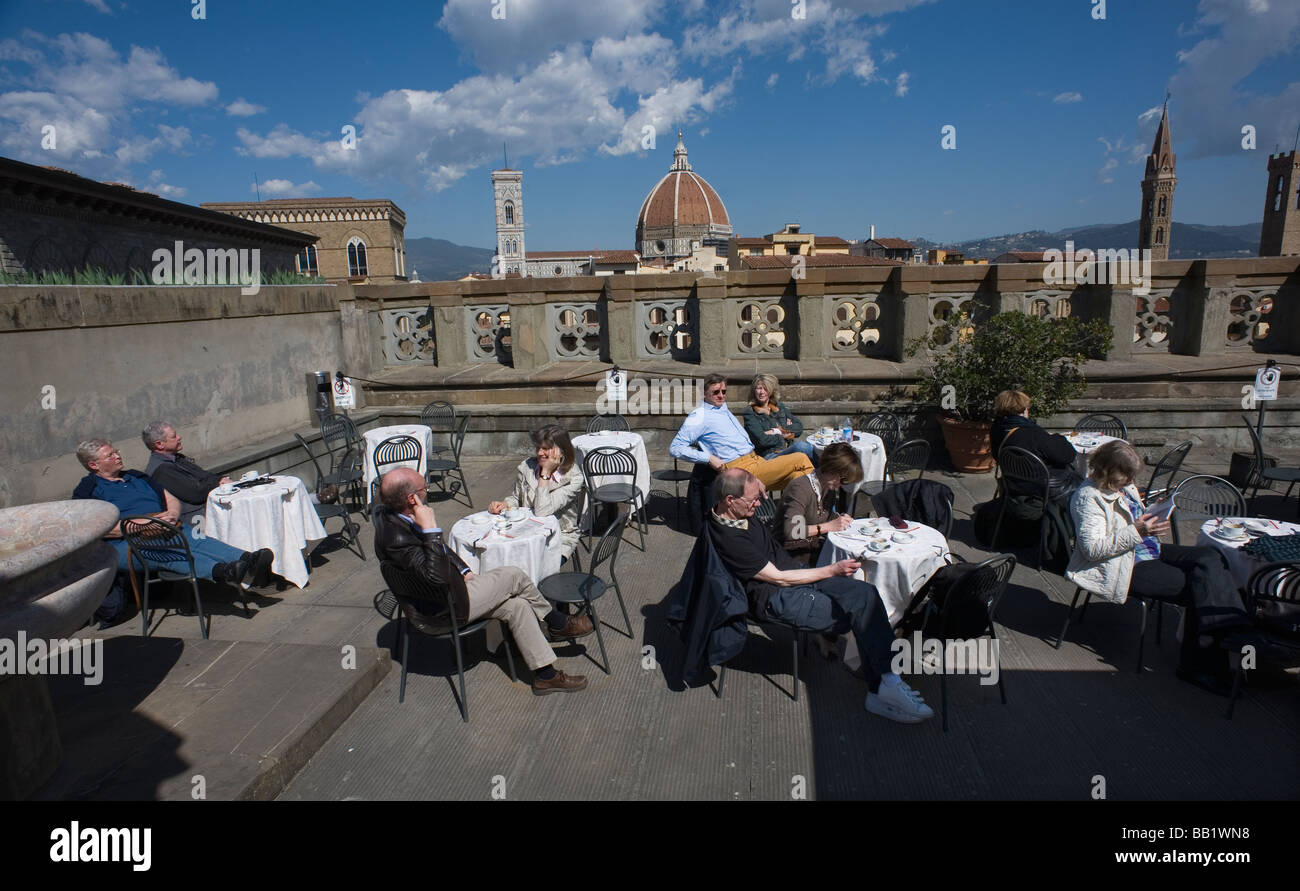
[223, 367]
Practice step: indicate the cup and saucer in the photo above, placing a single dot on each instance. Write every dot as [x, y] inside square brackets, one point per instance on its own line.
[902, 537]
[226, 489]
[1231, 530]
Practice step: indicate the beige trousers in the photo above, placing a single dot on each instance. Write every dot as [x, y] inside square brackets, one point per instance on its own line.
[508, 594]
[775, 473]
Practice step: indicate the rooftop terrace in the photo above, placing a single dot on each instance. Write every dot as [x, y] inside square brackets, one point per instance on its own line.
[264, 709]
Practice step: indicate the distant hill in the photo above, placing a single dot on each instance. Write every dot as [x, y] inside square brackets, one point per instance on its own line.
[438, 260]
[1189, 241]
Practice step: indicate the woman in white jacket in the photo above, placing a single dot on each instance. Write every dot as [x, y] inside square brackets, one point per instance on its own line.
[550, 485]
[1117, 553]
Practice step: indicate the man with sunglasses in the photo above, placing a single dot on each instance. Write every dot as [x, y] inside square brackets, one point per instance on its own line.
[822, 598]
[724, 444]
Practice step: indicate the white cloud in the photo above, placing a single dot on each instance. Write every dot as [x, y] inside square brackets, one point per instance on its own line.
[158, 187]
[571, 102]
[279, 188]
[772, 79]
[1209, 104]
[1104, 174]
[100, 6]
[1066, 98]
[92, 95]
[900, 84]
[242, 108]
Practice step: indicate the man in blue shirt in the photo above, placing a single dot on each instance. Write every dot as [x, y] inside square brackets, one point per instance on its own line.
[134, 494]
[725, 444]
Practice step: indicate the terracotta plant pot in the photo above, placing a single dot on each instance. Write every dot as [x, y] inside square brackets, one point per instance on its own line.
[968, 444]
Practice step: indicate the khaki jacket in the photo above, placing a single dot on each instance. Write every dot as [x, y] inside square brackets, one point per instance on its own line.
[561, 498]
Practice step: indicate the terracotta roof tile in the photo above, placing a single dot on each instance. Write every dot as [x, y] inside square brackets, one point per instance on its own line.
[895, 244]
[786, 261]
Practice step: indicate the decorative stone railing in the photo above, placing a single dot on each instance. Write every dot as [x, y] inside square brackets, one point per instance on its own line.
[1203, 307]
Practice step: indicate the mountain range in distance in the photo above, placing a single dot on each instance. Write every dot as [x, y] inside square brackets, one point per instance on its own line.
[436, 259]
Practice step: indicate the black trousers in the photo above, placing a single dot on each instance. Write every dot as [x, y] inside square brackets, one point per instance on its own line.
[1198, 579]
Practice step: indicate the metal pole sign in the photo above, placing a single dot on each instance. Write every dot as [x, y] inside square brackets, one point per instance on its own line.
[1266, 381]
[344, 395]
[616, 388]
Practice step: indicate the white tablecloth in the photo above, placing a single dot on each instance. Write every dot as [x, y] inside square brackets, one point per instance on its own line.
[898, 573]
[279, 516]
[1241, 564]
[871, 452]
[618, 439]
[1081, 458]
[533, 545]
[374, 437]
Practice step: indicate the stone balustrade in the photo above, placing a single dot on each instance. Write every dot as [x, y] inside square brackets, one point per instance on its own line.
[1192, 307]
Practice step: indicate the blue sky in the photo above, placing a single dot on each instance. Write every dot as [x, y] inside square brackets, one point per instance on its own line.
[832, 120]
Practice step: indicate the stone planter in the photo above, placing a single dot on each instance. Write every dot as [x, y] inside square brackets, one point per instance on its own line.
[968, 444]
[54, 571]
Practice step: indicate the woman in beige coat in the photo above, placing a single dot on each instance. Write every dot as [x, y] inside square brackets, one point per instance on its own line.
[550, 485]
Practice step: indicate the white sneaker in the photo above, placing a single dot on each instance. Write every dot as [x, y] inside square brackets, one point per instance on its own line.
[899, 703]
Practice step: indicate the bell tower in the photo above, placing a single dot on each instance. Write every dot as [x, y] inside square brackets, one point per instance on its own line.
[1280, 232]
[508, 197]
[1158, 192]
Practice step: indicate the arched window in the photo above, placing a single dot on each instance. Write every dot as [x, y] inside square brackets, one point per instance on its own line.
[1164, 205]
[357, 257]
[307, 261]
[1277, 198]
[1151, 206]
[510, 214]
[1160, 236]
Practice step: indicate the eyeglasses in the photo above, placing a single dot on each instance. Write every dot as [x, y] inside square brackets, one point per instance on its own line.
[722, 392]
[748, 498]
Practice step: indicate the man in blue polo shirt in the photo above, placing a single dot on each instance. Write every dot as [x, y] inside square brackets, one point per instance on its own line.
[724, 443]
[134, 494]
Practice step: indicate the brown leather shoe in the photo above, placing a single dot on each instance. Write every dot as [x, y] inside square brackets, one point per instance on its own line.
[574, 626]
[561, 683]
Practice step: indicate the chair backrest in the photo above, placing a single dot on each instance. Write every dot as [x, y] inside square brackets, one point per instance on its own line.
[1278, 582]
[458, 437]
[1166, 471]
[887, 426]
[1257, 467]
[1203, 496]
[342, 443]
[397, 450]
[156, 540]
[607, 547]
[1103, 423]
[608, 461]
[425, 604]
[983, 583]
[1023, 473]
[607, 422]
[342, 422]
[911, 457]
[314, 463]
[928, 502]
[440, 417]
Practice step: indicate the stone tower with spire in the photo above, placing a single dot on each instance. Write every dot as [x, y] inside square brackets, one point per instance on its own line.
[508, 196]
[1158, 192]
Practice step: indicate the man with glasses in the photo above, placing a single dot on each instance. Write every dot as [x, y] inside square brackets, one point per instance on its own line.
[824, 598]
[724, 444]
[407, 534]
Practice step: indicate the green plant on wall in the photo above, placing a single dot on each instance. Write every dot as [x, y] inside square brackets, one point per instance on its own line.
[1042, 356]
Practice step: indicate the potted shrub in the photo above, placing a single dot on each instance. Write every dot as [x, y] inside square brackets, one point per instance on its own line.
[971, 364]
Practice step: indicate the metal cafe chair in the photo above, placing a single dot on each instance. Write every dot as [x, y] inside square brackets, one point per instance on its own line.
[437, 469]
[327, 510]
[1024, 475]
[346, 451]
[1110, 425]
[620, 465]
[1166, 471]
[155, 541]
[886, 425]
[1273, 602]
[906, 462]
[586, 588]
[411, 590]
[1204, 497]
[1261, 474]
[439, 417]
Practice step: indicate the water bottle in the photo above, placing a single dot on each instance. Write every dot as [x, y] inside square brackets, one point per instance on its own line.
[846, 430]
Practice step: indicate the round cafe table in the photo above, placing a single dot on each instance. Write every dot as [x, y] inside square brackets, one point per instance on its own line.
[871, 452]
[1084, 445]
[532, 544]
[898, 572]
[1241, 564]
[373, 437]
[279, 515]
